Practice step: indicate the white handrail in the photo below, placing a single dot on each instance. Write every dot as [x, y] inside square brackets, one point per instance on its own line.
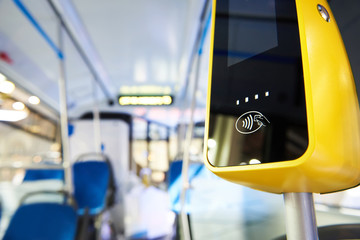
[22, 165]
[64, 118]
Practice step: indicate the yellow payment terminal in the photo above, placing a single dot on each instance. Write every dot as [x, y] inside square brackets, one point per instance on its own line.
[282, 108]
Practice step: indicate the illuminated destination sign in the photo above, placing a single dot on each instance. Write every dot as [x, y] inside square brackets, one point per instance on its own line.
[145, 100]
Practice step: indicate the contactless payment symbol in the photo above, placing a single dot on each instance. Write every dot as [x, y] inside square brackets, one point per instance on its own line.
[251, 122]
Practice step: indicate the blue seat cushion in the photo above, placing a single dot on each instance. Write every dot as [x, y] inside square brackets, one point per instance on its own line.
[42, 221]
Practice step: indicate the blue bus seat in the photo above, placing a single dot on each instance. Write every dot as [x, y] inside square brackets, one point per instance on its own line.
[175, 183]
[91, 181]
[42, 221]
[43, 174]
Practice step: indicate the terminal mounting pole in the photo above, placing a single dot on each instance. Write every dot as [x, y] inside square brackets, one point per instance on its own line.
[300, 216]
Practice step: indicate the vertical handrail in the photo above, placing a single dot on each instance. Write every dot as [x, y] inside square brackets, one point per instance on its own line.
[196, 62]
[96, 121]
[168, 147]
[148, 139]
[186, 160]
[64, 117]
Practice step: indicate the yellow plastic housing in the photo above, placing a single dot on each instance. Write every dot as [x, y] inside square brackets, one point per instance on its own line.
[332, 160]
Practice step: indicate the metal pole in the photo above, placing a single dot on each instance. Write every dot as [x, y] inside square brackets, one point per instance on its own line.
[148, 139]
[64, 119]
[186, 157]
[195, 65]
[96, 121]
[300, 216]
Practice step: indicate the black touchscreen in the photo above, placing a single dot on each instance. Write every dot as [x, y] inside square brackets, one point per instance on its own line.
[257, 104]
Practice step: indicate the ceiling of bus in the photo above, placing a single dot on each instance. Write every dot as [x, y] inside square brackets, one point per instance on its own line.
[132, 46]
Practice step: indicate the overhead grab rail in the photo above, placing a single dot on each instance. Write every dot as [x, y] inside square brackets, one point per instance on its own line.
[81, 52]
[57, 49]
[66, 165]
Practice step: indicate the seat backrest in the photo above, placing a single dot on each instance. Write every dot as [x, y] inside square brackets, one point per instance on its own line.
[175, 181]
[91, 181]
[43, 174]
[42, 221]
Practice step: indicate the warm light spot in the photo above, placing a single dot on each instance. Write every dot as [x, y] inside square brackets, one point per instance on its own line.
[7, 87]
[2, 77]
[18, 106]
[34, 100]
[12, 116]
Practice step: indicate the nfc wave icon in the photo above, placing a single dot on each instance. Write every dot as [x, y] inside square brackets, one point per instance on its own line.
[251, 122]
